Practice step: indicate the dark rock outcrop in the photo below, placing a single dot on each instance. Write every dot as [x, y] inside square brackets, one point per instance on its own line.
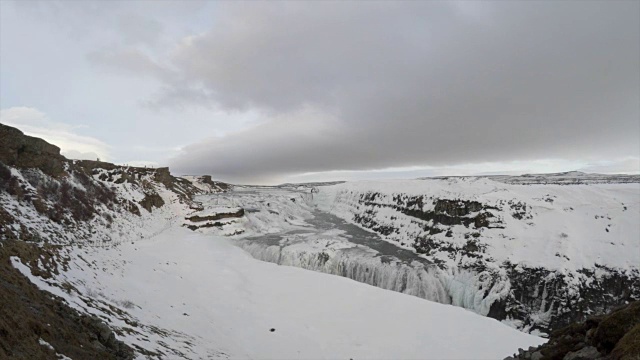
[614, 336]
[22, 151]
[457, 208]
[206, 179]
[446, 212]
[539, 289]
[216, 224]
[59, 199]
[163, 176]
[222, 215]
[196, 222]
[150, 201]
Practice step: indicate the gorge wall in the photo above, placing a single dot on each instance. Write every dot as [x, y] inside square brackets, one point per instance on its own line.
[563, 252]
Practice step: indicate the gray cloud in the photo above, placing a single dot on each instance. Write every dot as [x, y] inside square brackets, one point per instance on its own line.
[371, 85]
[420, 83]
[137, 29]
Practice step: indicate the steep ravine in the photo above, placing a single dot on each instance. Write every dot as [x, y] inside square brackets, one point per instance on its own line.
[458, 234]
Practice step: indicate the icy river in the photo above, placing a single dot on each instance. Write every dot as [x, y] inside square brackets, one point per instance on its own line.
[324, 223]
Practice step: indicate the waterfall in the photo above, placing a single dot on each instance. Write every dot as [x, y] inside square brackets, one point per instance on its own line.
[457, 287]
[412, 279]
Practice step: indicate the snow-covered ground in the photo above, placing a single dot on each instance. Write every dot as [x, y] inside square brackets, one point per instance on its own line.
[193, 295]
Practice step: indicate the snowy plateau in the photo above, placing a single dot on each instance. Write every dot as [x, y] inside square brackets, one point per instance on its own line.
[190, 268]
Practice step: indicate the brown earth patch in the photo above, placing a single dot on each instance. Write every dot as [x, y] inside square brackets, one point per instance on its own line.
[29, 314]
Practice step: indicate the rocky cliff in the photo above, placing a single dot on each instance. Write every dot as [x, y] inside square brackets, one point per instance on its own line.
[22, 151]
[612, 336]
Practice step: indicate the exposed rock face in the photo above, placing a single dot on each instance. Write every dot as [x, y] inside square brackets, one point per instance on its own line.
[151, 201]
[163, 176]
[217, 216]
[66, 200]
[22, 151]
[555, 293]
[141, 176]
[130, 174]
[214, 224]
[444, 214]
[206, 179]
[209, 219]
[614, 336]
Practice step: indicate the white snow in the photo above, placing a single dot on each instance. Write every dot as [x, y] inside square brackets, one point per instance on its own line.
[48, 346]
[220, 300]
[45, 344]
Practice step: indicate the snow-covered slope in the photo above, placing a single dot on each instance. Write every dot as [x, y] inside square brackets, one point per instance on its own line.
[213, 300]
[97, 206]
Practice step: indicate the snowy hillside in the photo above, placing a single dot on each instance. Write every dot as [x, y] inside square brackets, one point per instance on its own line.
[193, 296]
[97, 206]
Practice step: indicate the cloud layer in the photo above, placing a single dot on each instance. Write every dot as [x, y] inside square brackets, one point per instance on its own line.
[356, 86]
[269, 91]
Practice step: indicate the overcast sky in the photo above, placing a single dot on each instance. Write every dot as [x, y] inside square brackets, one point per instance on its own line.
[270, 92]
